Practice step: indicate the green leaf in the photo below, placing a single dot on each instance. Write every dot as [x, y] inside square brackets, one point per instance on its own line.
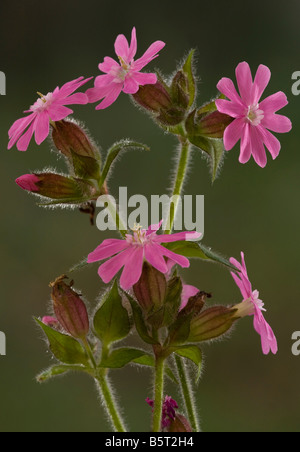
[167, 314]
[188, 71]
[111, 321]
[65, 348]
[194, 354]
[214, 147]
[139, 321]
[199, 251]
[121, 357]
[114, 152]
[55, 371]
[85, 167]
[82, 264]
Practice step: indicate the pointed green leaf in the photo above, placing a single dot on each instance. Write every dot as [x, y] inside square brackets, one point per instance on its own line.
[55, 371]
[121, 357]
[85, 167]
[188, 71]
[114, 152]
[65, 348]
[194, 354]
[199, 251]
[111, 321]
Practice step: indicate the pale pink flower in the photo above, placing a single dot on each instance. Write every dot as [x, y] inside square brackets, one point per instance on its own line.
[253, 119]
[130, 253]
[51, 107]
[252, 305]
[124, 75]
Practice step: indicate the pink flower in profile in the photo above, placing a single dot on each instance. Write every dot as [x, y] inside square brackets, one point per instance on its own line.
[168, 411]
[253, 119]
[48, 108]
[124, 75]
[252, 305]
[131, 253]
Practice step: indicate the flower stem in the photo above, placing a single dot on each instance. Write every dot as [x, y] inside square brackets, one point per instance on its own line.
[184, 379]
[159, 392]
[109, 402]
[179, 182]
[187, 394]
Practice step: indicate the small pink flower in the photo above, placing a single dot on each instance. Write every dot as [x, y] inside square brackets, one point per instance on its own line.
[252, 305]
[123, 76]
[48, 108]
[168, 411]
[253, 118]
[28, 182]
[131, 252]
[50, 321]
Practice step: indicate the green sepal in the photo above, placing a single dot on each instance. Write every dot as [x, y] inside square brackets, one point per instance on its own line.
[64, 347]
[111, 321]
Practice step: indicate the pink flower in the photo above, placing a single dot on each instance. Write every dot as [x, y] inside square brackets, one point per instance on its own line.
[131, 252]
[123, 76]
[252, 305]
[253, 119]
[168, 411]
[187, 293]
[48, 108]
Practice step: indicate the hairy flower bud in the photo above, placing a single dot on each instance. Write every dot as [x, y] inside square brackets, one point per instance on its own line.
[211, 323]
[150, 290]
[58, 187]
[179, 425]
[69, 309]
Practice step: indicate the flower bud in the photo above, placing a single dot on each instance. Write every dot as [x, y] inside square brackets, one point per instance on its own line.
[180, 90]
[57, 187]
[150, 290]
[69, 136]
[211, 323]
[179, 425]
[69, 309]
[213, 125]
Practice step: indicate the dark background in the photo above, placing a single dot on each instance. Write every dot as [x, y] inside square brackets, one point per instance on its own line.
[249, 209]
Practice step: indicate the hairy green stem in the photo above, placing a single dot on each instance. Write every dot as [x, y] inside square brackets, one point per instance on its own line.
[179, 182]
[187, 394]
[159, 393]
[184, 379]
[109, 401]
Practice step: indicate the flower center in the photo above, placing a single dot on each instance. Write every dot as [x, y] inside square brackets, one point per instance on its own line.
[255, 115]
[139, 236]
[43, 103]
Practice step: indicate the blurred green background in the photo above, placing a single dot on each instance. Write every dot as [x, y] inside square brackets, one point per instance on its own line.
[46, 44]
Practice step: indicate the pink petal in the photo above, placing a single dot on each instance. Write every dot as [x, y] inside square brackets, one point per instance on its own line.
[231, 109]
[271, 142]
[111, 97]
[70, 87]
[180, 260]
[179, 236]
[110, 268]
[122, 48]
[104, 81]
[145, 79]
[149, 55]
[245, 81]
[274, 103]
[95, 94]
[261, 81]
[155, 258]
[108, 64]
[133, 268]
[187, 293]
[268, 339]
[226, 87]
[133, 45]
[18, 128]
[154, 227]
[277, 123]
[41, 127]
[246, 148]
[59, 112]
[258, 149]
[107, 249]
[24, 141]
[130, 85]
[77, 98]
[233, 133]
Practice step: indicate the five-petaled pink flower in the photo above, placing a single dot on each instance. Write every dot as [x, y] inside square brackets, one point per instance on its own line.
[123, 76]
[48, 108]
[252, 305]
[131, 253]
[253, 119]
